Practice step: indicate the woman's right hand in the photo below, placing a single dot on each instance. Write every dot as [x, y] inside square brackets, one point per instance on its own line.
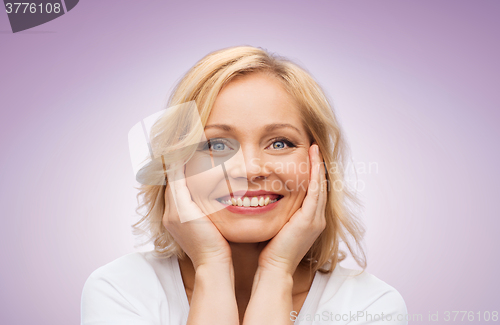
[213, 299]
[199, 237]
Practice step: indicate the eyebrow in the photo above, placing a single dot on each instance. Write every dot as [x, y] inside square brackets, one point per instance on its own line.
[268, 128]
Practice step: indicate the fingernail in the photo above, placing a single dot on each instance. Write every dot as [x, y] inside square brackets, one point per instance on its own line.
[316, 150]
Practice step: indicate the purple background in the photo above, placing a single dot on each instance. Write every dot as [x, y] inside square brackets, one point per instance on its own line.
[414, 83]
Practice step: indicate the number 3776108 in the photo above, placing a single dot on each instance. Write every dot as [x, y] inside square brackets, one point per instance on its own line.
[27, 8]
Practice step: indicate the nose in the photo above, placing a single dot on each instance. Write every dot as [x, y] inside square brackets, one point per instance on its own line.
[248, 163]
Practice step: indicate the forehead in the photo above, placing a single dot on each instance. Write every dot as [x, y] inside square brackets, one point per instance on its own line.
[252, 101]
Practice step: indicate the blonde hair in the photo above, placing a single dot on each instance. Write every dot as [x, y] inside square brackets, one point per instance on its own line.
[201, 84]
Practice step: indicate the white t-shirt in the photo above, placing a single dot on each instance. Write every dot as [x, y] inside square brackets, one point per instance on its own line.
[141, 289]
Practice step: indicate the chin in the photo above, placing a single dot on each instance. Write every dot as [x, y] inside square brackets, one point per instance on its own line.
[246, 235]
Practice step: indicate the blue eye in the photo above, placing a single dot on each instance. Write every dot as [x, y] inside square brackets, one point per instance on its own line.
[219, 145]
[282, 143]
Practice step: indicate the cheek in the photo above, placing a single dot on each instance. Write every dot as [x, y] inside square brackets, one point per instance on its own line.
[295, 175]
[194, 184]
[202, 184]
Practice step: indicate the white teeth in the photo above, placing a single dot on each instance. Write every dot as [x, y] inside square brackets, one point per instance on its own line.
[249, 202]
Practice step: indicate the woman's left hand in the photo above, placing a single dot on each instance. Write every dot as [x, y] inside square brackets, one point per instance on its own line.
[285, 251]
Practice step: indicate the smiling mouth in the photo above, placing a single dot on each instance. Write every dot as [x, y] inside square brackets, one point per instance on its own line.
[250, 202]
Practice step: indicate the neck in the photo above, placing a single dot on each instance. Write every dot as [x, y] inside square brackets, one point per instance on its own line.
[245, 262]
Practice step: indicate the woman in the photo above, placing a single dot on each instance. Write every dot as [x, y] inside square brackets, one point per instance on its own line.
[253, 238]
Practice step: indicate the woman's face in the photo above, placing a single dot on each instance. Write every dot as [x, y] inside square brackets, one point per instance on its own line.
[256, 112]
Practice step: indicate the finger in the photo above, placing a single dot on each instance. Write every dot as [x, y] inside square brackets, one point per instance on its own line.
[322, 173]
[171, 184]
[313, 191]
[178, 189]
[172, 177]
[171, 214]
[323, 188]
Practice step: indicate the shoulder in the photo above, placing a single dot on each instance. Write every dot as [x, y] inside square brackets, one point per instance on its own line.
[127, 287]
[132, 271]
[369, 288]
[361, 293]
[128, 265]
